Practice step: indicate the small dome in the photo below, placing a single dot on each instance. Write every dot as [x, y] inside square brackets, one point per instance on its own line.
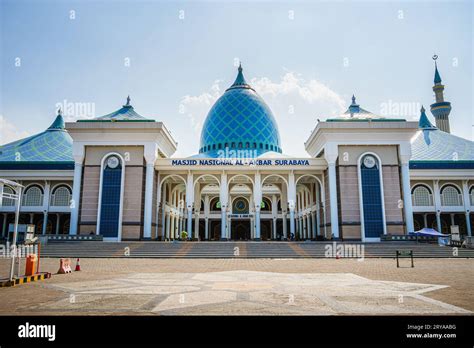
[240, 120]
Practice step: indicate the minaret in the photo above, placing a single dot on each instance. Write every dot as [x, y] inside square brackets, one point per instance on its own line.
[441, 108]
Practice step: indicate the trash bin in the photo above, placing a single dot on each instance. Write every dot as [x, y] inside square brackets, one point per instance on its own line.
[31, 264]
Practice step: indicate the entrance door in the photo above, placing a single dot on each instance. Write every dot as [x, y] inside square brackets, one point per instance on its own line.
[240, 230]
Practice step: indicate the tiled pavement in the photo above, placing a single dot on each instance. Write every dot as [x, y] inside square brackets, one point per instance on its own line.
[247, 286]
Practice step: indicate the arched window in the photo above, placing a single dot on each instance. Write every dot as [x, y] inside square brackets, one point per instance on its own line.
[450, 196]
[215, 204]
[240, 206]
[33, 197]
[8, 202]
[61, 196]
[371, 196]
[110, 197]
[421, 196]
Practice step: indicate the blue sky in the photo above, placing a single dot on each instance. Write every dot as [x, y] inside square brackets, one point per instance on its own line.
[306, 59]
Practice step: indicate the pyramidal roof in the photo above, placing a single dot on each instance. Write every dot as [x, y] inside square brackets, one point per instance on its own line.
[355, 113]
[50, 149]
[125, 114]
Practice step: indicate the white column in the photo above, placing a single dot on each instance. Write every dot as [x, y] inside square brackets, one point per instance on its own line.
[284, 208]
[292, 201]
[46, 197]
[425, 220]
[189, 204]
[283, 219]
[147, 216]
[407, 205]
[257, 195]
[206, 215]
[78, 153]
[467, 206]
[333, 200]
[196, 225]
[437, 202]
[274, 216]
[168, 227]
[223, 198]
[331, 154]
[176, 226]
[318, 207]
[172, 232]
[163, 209]
[157, 206]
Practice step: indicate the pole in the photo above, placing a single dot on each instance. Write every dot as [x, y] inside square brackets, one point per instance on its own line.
[15, 231]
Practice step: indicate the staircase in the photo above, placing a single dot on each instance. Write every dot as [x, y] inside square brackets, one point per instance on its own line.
[94, 249]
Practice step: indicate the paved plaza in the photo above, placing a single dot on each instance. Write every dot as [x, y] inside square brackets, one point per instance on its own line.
[247, 287]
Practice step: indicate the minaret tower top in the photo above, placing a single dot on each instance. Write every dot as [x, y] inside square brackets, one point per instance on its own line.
[440, 109]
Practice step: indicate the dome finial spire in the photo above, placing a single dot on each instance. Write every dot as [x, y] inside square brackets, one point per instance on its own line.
[437, 77]
[58, 123]
[353, 99]
[240, 79]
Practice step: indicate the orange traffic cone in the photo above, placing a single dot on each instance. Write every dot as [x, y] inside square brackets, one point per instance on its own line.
[78, 265]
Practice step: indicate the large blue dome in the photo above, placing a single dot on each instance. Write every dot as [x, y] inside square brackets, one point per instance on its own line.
[240, 119]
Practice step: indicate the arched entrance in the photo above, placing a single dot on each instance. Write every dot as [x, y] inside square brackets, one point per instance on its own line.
[241, 230]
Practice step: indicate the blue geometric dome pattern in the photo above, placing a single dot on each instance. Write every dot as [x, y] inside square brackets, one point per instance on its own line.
[240, 119]
[54, 145]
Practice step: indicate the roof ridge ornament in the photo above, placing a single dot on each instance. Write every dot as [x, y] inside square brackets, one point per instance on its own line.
[354, 100]
[58, 123]
[424, 123]
[127, 104]
[437, 77]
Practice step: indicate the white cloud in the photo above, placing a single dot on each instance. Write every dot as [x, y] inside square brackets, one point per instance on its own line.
[311, 91]
[9, 132]
[197, 107]
[296, 104]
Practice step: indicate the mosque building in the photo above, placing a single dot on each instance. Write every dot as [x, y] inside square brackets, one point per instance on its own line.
[365, 176]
